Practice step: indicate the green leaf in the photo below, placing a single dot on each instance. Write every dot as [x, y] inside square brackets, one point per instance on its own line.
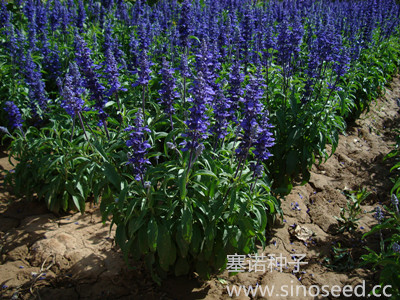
[120, 237]
[166, 250]
[152, 234]
[197, 238]
[112, 175]
[291, 162]
[182, 185]
[181, 267]
[204, 173]
[186, 224]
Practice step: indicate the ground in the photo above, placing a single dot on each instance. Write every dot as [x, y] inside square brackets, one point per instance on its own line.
[73, 256]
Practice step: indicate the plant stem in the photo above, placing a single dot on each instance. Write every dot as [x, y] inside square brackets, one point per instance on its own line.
[144, 100]
[73, 128]
[106, 129]
[83, 126]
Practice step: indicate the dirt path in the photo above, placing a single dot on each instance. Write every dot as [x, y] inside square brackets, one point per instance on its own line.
[74, 257]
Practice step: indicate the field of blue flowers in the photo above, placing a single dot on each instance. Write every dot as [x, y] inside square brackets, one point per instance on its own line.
[186, 121]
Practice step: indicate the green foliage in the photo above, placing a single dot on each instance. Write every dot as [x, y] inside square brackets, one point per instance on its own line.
[349, 215]
[189, 221]
[386, 258]
[341, 259]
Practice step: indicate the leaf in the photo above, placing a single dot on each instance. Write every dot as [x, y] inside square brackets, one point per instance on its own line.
[197, 238]
[120, 237]
[152, 234]
[186, 225]
[165, 250]
[182, 185]
[291, 162]
[122, 197]
[109, 103]
[112, 175]
[143, 240]
[181, 267]
[204, 173]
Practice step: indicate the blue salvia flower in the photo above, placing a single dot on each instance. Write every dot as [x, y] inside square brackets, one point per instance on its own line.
[133, 52]
[20, 56]
[282, 43]
[71, 10]
[12, 43]
[257, 168]
[378, 215]
[198, 120]
[37, 93]
[184, 24]
[51, 59]
[14, 114]
[112, 74]
[341, 64]
[30, 12]
[55, 15]
[41, 19]
[80, 20]
[72, 91]
[236, 78]
[224, 38]
[112, 43]
[205, 65]
[296, 35]
[102, 16]
[249, 124]
[108, 4]
[138, 146]
[222, 108]
[92, 82]
[247, 33]
[394, 200]
[108, 39]
[4, 14]
[237, 40]
[168, 91]
[65, 19]
[269, 40]
[184, 68]
[122, 11]
[264, 140]
[144, 69]
[396, 247]
[143, 33]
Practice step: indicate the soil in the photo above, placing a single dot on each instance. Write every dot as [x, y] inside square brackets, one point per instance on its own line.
[47, 256]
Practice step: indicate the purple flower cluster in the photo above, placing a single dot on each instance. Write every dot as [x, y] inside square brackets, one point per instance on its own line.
[252, 111]
[144, 69]
[73, 91]
[112, 74]
[379, 215]
[37, 94]
[198, 120]
[256, 131]
[91, 82]
[14, 114]
[235, 91]
[138, 146]
[184, 24]
[168, 91]
[222, 108]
